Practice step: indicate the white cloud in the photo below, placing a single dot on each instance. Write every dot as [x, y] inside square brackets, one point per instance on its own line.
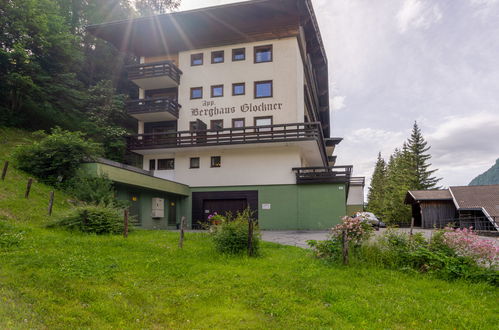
[338, 102]
[417, 14]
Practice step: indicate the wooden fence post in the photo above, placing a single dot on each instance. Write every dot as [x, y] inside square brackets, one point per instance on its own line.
[28, 188]
[4, 171]
[345, 247]
[250, 237]
[182, 226]
[412, 226]
[51, 202]
[125, 223]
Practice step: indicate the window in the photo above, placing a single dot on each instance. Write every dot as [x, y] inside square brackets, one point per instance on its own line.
[239, 54]
[263, 89]
[263, 121]
[217, 57]
[197, 59]
[217, 91]
[196, 93]
[238, 123]
[217, 124]
[194, 163]
[152, 164]
[193, 126]
[166, 164]
[263, 54]
[216, 161]
[238, 89]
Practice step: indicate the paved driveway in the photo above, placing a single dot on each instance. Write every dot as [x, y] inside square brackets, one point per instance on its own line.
[300, 238]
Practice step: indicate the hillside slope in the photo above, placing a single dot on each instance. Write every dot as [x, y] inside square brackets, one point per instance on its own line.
[57, 280]
[13, 206]
[491, 176]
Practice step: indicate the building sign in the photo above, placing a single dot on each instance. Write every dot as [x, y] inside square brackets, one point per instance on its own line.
[209, 109]
[266, 206]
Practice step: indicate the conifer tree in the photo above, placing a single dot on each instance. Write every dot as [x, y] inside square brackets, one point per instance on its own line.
[419, 167]
[376, 194]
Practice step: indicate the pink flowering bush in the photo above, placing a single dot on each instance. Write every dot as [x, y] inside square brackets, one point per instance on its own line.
[356, 228]
[466, 243]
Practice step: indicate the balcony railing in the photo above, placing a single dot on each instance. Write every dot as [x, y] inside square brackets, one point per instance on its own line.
[228, 136]
[150, 105]
[331, 174]
[155, 69]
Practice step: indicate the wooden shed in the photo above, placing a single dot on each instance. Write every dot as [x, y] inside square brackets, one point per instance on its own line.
[431, 208]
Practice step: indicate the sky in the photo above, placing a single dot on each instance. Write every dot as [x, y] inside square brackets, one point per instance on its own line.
[393, 62]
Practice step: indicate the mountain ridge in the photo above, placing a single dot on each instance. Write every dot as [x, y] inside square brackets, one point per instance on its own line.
[491, 176]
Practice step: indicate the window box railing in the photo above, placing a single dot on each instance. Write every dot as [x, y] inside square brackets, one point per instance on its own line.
[150, 105]
[155, 69]
[228, 136]
[329, 174]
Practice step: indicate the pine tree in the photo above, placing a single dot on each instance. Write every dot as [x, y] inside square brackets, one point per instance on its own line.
[397, 184]
[421, 176]
[376, 194]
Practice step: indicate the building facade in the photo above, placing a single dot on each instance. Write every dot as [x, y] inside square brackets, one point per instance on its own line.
[234, 103]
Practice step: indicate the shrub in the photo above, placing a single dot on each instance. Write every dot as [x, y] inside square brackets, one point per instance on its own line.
[357, 231]
[356, 228]
[466, 243]
[94, 190]
[93, 219]
[55, 156]
[230, 235]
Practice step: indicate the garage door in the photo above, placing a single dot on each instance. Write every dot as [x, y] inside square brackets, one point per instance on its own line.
[222, 206]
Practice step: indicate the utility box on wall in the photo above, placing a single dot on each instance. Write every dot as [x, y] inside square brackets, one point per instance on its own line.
[158, 208]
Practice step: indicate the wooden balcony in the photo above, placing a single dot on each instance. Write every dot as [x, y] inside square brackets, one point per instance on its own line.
[283, 133]
[155, 75]
[153, 109]
[330, 174]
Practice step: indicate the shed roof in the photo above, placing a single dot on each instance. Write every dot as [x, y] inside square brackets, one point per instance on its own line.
[426, 195]
[477, 197]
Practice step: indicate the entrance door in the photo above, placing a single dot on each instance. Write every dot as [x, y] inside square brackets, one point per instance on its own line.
[134, 209]
[222, 206]
[172, 214]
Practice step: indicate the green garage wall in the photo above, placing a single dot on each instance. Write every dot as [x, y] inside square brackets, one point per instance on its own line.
[296, 207]
[145, 196]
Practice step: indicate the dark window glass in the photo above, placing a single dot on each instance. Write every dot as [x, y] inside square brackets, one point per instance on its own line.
[197, 59]
[217, 91]
[166, 164]
[193, 126]
[238, 123]
[152, 164]
[263, 54]
[238, 89]
[263, 89]
[239, 54]
[217, 57]
[196, 93]
[216, 161]
[217, 124]
[194, 163]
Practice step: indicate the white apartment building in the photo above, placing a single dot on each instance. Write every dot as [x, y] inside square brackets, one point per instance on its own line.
[234, 103]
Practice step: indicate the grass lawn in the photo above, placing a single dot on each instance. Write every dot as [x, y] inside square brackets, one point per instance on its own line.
[57, 279]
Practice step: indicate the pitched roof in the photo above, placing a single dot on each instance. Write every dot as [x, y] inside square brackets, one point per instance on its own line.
[477, 197]
[425, 195]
